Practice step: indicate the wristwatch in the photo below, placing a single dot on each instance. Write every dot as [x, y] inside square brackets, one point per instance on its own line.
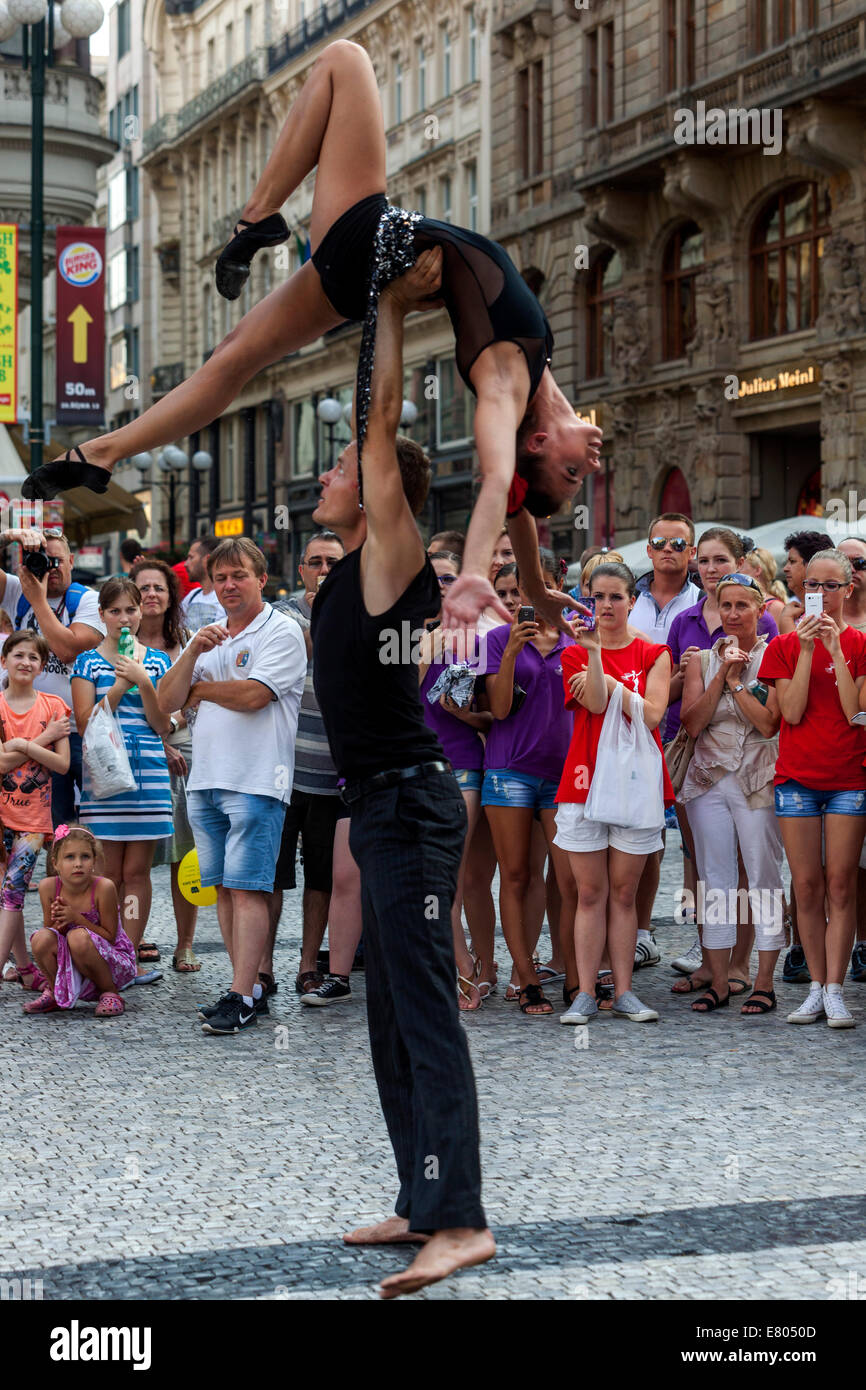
[735, 689]
[175, 726]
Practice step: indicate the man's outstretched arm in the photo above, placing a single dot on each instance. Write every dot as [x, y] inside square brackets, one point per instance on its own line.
[395, 552]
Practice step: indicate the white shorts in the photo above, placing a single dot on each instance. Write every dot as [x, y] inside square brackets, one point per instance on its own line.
[581, 836]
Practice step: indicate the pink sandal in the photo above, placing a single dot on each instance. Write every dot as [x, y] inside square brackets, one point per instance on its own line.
[109, 1005]
[45, 1004]
[31, 978]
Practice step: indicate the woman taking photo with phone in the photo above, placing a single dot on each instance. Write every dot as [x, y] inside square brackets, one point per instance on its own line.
[526, 747]
[818, 673]
[607, 860]
[728, 793]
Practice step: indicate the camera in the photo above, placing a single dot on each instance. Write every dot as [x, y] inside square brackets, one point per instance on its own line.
[39, 562]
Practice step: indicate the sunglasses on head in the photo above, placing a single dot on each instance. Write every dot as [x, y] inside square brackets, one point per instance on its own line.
[677, 544]
[744, 580]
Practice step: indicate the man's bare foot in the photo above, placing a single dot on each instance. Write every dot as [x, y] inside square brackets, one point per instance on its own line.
[445, 1252]
[393, 1231]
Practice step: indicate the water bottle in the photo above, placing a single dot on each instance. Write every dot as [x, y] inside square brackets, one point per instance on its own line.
[126, 647]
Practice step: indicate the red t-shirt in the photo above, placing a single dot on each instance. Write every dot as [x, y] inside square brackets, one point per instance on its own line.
[631, 665]
[186, 584]
[823, 751]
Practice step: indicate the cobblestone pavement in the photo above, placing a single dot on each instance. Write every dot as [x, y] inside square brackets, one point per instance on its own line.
[716, 1157]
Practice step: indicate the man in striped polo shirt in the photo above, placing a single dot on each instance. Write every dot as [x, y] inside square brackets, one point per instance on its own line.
[316, 805]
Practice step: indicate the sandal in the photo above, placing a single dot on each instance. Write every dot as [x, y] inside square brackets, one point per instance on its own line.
[688, 986]
[535, 999]
[308, 981]
[45, 1004]
[147, 951]
[184, 962]
[464, 985]
[268, 983]
[568, 995]
[109, 1005]
[604, 991]
[30, 977]
[746, 986]
[759, 1002]
[512, 993]
[63, 473]
[712, 1002]
[548, 976]
[233, 265]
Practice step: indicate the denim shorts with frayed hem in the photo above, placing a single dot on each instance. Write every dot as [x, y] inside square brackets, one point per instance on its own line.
[793, 799]
[237, 835]
[502, 787]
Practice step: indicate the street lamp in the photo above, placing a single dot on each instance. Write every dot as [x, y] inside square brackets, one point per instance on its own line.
[330, 412]
[409, 414]
[76, 19]
[171, 461]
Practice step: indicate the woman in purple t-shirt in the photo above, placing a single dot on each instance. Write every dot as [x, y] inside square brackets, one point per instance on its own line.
[459, 731]
[524, 756]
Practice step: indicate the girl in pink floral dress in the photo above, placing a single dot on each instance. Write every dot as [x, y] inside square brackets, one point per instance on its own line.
[82, 947]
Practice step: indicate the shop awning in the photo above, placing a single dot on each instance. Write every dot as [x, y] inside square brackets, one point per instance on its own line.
[85, 513]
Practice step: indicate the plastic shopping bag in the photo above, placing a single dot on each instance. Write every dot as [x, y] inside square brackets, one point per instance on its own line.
[105, 755]
[627, 787]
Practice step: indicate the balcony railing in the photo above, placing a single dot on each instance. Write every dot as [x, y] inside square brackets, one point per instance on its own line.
[330, 16]
[253, 68]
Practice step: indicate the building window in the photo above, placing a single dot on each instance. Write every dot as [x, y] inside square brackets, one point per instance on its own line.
[421, 68]
[211, 61]
[398, 91]
[228, 182]
[248, 31]
[683, 259]
[591, 84]
[132, 274]
[123, 28]
[117, 280]
[785, 254]
[133, 353]
[691, 42]
[207, 317]
[229, 50]
[454, 413]
[530, 119]
[117, 200]
[445, 197]
[609, 73]
[786, 19]
[604, 286]
[132, 204]
[303, 438]
[118, 368]
[472, 194]
[472, 40]
[671, 44]
[446, 63]
[227, 459]
[421, 201]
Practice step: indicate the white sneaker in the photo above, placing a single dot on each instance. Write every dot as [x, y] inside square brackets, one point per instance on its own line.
[629, 1006]
[691, 961]
[834, 1007]
[583, 1007]
[646, 952]
[812, 1007]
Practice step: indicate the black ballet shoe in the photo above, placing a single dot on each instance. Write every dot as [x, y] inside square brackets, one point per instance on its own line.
[233, 265]
[64, 473]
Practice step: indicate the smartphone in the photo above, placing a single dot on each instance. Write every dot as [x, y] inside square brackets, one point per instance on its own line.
[526, 615]
[813, 605]
[588, 619]
[859, 717]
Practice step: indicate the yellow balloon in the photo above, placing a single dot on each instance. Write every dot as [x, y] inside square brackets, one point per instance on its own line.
[189, 882]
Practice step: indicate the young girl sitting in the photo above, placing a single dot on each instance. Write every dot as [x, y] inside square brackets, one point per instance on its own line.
[82, 947]
[34, 728]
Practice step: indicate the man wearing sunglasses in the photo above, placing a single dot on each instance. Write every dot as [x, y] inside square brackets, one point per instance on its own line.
[667, 590]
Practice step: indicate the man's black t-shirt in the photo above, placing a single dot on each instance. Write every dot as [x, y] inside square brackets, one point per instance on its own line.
[365, 672]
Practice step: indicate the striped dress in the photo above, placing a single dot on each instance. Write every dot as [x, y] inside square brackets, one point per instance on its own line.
[143, 814]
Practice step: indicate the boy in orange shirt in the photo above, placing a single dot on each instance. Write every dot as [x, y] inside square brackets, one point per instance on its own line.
[34, 729]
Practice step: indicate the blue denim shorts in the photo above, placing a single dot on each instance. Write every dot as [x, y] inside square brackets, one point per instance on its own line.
[793, 799]
[468, 779]
[502, 787]
[237, 836]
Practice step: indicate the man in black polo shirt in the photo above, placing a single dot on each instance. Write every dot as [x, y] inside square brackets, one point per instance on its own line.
[407, 818]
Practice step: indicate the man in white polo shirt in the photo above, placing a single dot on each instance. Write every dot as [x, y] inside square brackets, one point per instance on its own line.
[242, 684]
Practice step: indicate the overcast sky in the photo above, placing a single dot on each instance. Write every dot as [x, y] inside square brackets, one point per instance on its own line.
[99, 40]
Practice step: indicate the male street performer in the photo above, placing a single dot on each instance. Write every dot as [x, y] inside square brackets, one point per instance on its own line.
[407, 819]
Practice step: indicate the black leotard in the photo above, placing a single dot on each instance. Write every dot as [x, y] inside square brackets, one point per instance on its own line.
[487, 299]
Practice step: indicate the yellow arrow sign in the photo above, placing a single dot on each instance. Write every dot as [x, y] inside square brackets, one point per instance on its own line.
[79, 318]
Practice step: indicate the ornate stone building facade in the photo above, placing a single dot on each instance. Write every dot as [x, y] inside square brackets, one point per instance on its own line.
[684, 183]
[226, 75]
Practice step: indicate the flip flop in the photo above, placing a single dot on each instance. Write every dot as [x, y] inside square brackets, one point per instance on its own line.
[62, 474]
[548, 976]
[147, 951]
[148, 978]
[712, 1001]
[184, 958]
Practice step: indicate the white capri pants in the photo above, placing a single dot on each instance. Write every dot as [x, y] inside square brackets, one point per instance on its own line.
[718, 819]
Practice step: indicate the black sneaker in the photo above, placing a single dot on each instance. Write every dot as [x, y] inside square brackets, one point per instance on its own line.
[330, 991]
[208, 1010]
[795, 970]
[858, 962]
[232, 1016]
[261, 1004]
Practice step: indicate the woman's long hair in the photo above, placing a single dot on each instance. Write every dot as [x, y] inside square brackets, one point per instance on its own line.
[174, 634]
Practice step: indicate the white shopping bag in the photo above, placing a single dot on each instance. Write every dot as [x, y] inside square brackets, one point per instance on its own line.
[105, 755]
[627, 787]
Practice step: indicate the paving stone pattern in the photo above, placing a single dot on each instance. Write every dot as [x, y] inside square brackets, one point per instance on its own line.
[716, 1157]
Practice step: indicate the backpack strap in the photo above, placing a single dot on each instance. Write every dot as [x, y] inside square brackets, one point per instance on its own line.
[71, 599]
